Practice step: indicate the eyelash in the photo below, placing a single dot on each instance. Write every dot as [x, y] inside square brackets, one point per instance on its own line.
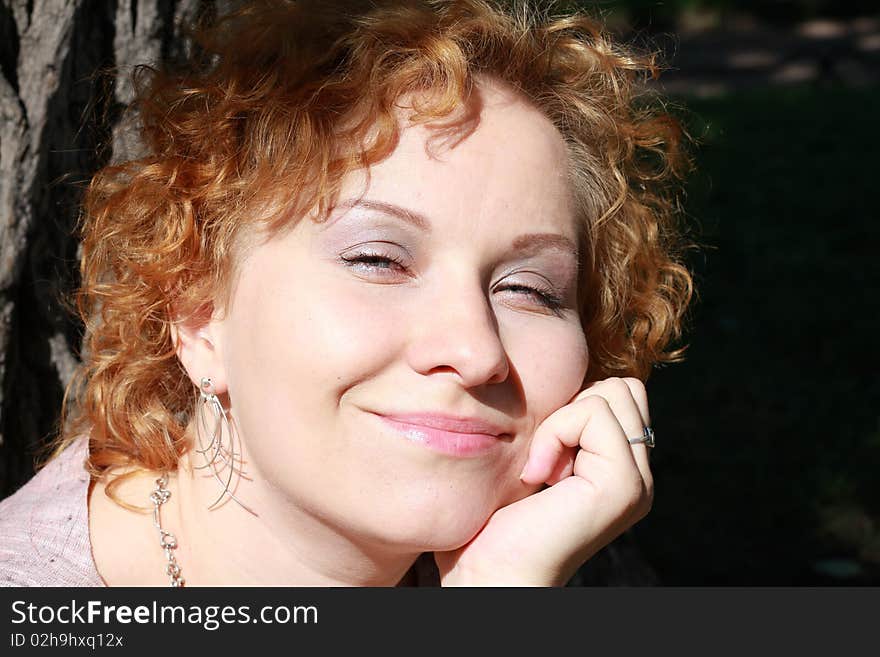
[547, 298]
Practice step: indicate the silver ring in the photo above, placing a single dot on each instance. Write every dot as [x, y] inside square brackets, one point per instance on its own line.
[647, 437]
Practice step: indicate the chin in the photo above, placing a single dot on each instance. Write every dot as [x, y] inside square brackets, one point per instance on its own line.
[432, 536]
[431, 523]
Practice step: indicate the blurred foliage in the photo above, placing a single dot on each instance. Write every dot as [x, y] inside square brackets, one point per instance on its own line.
[769, 434]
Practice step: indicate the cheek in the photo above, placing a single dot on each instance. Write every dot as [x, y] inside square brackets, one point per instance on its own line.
[552, 362]
[346, 335]
[292, 349]
[320, 339]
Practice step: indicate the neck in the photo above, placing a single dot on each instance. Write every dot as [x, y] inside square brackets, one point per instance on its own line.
[282, 545]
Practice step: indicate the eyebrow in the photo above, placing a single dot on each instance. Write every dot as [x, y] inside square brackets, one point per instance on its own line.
[528, 244]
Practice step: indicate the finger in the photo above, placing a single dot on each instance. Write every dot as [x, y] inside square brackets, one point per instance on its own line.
[607, 494]
[640, 396]
[588, 424]
[627, 398]
[643, 454]
[628, 485]
[564, 466]
[625, 497]
[629, 402]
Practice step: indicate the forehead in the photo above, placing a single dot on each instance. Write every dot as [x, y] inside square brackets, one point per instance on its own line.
[497, 160]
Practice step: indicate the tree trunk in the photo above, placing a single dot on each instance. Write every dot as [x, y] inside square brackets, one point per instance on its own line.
[60, 105]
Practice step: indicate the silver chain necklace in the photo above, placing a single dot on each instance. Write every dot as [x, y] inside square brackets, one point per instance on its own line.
[167, 540]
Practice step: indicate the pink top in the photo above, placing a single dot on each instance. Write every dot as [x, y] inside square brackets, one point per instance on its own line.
[44, 529]
[44, 526]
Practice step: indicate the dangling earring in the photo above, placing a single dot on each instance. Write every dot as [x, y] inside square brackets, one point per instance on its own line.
[218, 455]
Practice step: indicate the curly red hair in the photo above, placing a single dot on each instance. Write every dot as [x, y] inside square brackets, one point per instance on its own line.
[284, 96]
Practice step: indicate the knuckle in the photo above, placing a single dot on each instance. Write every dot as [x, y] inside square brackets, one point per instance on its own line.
[649, 489]
[634, 495]
[585, 393]
[596, 403]
[647, 500]
[634, 383]
[637, 388]
[612, 383]
[637, 497]
[617, 384]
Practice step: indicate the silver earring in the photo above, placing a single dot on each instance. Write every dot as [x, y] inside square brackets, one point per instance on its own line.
[220, 454]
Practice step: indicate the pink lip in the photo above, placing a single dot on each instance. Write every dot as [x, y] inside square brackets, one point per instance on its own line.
[446, 434]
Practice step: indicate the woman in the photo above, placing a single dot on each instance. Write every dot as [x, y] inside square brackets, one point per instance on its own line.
[385, 283]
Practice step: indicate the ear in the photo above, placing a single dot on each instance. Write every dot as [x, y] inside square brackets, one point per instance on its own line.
[197, 344]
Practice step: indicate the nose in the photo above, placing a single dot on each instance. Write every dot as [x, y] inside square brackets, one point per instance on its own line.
[457, 332]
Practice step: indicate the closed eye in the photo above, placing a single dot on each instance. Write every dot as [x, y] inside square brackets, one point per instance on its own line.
[545, 297]
[374, 261]
[382, 263]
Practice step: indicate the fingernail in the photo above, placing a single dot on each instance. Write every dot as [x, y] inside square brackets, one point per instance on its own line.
[524, 470]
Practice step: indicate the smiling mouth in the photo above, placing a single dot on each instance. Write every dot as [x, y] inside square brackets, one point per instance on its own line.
[444, 440]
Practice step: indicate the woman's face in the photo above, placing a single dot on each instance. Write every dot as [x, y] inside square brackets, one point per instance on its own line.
[430, 290]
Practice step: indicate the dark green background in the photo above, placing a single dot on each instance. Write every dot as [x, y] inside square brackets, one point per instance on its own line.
[769, 435]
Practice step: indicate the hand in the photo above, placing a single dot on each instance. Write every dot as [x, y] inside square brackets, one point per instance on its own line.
[598, 486]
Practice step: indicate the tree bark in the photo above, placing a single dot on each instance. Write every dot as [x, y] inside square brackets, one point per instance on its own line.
[60, 110]
[64, 79]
